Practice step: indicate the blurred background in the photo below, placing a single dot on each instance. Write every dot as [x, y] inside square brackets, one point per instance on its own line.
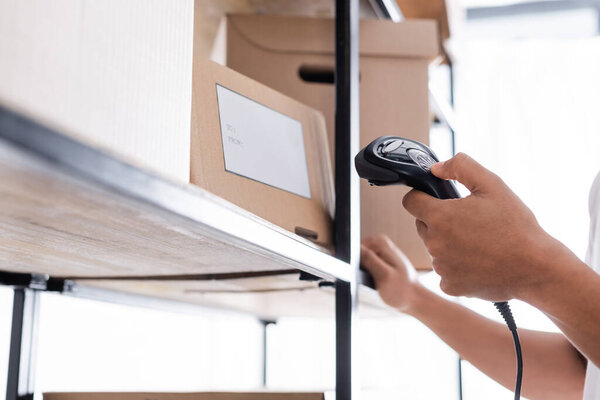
[526, 105]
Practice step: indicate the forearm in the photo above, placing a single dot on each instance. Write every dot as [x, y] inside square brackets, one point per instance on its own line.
[568, 291]
[553, 369]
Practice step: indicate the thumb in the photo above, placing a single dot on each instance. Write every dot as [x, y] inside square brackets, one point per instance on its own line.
[464, 169]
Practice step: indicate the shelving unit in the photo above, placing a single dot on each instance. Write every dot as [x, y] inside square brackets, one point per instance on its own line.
[68, 209]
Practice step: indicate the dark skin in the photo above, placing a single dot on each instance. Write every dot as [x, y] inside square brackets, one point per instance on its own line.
[489, 245]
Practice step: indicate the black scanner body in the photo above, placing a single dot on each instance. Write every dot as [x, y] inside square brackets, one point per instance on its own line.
[392, 160]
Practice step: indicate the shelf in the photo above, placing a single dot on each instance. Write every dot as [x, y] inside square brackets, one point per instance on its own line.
[268, 297]
[71, 213]
[69, 210]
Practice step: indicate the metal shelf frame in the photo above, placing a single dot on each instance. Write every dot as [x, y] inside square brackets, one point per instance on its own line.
[95, 166]
[23, 344]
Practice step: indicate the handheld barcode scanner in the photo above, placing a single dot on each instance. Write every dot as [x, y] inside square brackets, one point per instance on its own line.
[391, 160]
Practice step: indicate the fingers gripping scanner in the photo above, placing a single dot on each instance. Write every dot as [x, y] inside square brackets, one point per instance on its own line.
[391, 160]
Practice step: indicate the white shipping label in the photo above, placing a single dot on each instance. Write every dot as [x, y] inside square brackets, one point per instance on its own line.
[262, 144]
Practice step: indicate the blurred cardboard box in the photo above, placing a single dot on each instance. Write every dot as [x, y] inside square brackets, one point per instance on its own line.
[448, 13]
[187, 396]
[296, 56]
[88, 70]
[428, 9]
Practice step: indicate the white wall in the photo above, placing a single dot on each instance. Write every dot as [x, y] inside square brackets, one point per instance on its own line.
[93, 346]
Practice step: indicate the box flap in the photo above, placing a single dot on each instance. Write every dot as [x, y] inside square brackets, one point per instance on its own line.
[412, 39]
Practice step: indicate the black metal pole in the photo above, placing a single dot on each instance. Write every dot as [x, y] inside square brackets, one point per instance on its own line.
[344, 311]
[265, 343]
[452, 80]
[21, 361]
[347, 212]
[460, 379]
[346, 128]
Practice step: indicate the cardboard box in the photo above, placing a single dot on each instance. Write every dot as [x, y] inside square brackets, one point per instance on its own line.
[187, 396]
[296, 56]
[428, 9]
[261, 150]
[448, 14]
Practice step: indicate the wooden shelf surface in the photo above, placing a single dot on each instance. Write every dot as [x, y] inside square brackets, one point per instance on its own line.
[69, 210]
[267, 298]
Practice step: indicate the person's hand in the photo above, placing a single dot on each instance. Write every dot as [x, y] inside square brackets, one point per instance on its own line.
[394, 274]
[488, 244]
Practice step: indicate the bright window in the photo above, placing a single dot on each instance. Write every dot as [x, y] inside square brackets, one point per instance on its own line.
[527, 98]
